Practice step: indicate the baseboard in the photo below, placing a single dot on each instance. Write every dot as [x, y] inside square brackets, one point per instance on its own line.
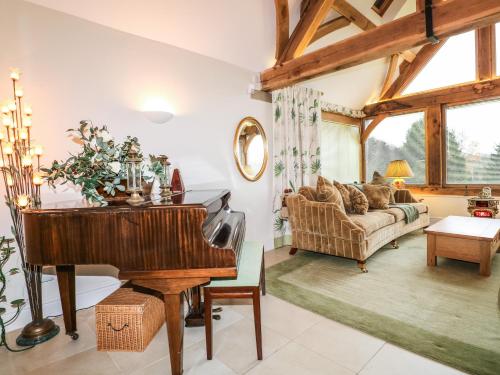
[89, 291]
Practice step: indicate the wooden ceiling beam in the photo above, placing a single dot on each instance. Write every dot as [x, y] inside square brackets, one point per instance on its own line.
[450, 18]
[352, 14]
[371, 127]
[308, 24]
[282, 26]
[464, 93]
[485, 53]
[330, 27]
[391, 72]
[422, 58]
[381, 6]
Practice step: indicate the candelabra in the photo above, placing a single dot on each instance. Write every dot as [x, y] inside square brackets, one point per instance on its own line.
[20, 166]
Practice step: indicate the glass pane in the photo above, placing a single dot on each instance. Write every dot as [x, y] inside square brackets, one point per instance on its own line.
[473, 144]
[340, 152]
[454, 63]
[497, 31]
[395, 138]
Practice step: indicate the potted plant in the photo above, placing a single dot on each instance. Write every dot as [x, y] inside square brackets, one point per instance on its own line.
[98, 167]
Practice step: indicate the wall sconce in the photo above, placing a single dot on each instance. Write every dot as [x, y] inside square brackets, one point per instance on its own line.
[158, 117]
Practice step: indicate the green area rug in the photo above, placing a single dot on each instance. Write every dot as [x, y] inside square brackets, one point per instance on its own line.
[448, 313]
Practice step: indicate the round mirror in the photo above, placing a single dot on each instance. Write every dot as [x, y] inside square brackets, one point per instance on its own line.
[250, 148]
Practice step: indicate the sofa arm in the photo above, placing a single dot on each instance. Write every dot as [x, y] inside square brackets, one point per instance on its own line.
[321, 218]
[404, 196]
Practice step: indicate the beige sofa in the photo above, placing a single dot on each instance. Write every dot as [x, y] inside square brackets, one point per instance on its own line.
[324, 228]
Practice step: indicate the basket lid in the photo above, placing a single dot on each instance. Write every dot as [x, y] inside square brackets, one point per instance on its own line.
[127, 299]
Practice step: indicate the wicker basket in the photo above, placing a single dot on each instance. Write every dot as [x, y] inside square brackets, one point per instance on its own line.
[127, 321]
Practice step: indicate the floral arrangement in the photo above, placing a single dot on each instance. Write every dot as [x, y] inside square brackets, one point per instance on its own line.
[6, 250]
[99, 166]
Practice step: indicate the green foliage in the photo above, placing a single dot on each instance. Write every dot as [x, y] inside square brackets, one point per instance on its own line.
[99, 164]
[279, 167]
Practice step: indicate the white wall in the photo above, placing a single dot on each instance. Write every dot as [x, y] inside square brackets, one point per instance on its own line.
[74, 69]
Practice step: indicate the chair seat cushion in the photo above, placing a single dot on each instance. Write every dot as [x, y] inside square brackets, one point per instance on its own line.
[373, 220]
[249, 268]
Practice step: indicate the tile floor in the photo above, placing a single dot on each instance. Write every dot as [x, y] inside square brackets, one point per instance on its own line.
[295, 341]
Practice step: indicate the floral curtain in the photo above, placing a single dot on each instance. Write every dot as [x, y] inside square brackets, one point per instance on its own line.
[296, 145]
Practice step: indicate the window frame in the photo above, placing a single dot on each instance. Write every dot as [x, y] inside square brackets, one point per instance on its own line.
[398, 113]
[444, 170]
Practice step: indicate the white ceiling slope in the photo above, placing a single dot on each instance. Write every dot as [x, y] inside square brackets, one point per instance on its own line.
[240, 32]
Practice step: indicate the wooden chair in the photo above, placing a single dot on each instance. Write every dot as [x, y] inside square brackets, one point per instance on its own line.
[251, 279]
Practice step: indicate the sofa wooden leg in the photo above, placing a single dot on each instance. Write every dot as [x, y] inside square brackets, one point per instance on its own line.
[293, 251]
[395, 244]
[362, 266]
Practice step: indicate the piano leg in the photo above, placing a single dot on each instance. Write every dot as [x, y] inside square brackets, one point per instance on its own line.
[174, 316]
[66, 281]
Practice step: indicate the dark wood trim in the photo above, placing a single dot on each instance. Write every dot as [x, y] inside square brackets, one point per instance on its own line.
[433, 144]
[485, 53]
[282, 26]
[337, 117]
[187, 273]
[459, 94]
[305, 30]
[381, 6]
[66, 283]
[459, 190]
[450, 18]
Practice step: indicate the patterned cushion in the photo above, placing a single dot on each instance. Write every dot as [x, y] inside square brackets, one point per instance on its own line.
[346, 197]
[378, 196]
[378, 179]
[326, 192]
[359, 201]
[308, 192]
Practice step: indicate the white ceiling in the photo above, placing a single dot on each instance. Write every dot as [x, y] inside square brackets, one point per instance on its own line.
[240, 32]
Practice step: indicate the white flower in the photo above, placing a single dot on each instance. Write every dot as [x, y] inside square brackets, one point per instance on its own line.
[106, 137]
[115, 166]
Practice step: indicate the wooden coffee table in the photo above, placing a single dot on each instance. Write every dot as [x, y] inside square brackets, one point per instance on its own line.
[470, 239]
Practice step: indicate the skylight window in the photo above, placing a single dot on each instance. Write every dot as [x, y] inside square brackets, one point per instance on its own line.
[454, 63]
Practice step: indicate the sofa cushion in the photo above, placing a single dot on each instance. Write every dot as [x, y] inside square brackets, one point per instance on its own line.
[378, 179]
[346, 197]
[373, 221]
[359, 201]
[309, 193]
[326, 192]
[378, 196]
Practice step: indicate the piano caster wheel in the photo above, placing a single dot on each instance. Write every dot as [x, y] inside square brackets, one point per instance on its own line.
[216, 317]
[74, 336]
[217, 310]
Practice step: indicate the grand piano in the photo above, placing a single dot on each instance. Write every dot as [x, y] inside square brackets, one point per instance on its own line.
[167, 248]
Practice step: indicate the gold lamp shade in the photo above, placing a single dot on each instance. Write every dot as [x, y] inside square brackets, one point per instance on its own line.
[399, 170]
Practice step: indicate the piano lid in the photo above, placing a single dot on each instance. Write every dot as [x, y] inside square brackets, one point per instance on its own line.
[192, 198]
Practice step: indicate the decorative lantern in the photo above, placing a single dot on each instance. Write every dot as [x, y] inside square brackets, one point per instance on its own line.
[134, 177]
[165, 191]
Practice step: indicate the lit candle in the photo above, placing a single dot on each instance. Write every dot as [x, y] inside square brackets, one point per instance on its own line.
[23, 134]
[12, 106]
[37, 179]
[23, 201]
[38, 150]
[19, 92]
[10, 181]
[26, 161]
[28, 111]
[8, 149]
[5, 110]
[27, 122]
[1, 136]
[6, 121]
[2, 163]
[14, 75]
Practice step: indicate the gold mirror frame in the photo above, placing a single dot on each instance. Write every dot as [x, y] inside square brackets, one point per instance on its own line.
[235, 148]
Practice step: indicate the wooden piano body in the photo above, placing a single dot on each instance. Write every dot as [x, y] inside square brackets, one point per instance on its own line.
[164, 247]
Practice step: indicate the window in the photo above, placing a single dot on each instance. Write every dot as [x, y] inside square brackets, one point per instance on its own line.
[473, 144]
[398, 137]
[454, 63]
[340, 151]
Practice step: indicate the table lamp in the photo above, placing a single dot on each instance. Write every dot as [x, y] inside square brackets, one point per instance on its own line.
[399, 170]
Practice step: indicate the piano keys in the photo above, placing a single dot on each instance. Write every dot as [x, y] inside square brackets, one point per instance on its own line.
[163, 247]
